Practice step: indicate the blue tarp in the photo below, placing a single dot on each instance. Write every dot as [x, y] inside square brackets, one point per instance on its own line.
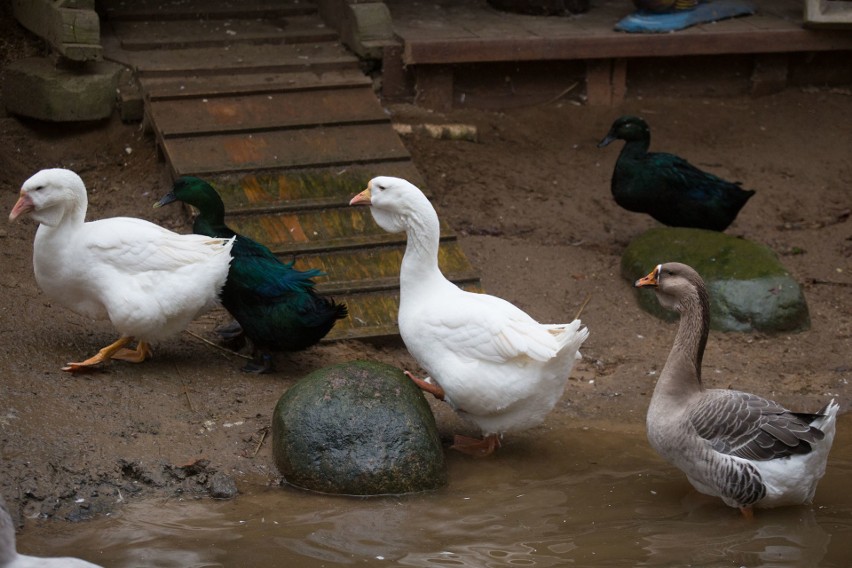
[649, 22]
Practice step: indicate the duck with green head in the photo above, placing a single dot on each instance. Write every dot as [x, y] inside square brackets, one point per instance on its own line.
[667, 187]
[275, 305]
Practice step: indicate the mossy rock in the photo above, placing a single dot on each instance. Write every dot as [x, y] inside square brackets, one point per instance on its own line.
[358, 428]
[749, 288]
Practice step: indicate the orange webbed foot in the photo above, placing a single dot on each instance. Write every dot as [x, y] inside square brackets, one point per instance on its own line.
[476, 447]
[142, 352]
[101, 356]
[432, 388]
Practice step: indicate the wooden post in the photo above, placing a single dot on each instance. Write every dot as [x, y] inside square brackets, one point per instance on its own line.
[606, 81]
[434, 87]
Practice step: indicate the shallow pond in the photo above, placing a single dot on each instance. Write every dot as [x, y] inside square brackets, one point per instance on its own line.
[581, 497]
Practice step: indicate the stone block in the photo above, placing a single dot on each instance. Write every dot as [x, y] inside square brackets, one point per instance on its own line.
[749, 288]
[358, 428]
[38, 88]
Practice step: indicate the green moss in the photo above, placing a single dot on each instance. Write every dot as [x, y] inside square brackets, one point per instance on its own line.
[714, 255]
[749, 288]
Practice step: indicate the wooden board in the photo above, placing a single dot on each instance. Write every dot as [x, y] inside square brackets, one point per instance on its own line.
[377, 268]
[310, 147]
[176, 34]
[163, 88]
[314, 57]
[271, 111]
[122, 10]
[308, 189]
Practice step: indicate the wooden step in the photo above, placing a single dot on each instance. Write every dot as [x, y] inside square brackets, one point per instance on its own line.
[298, 148]
[373, 314]
[297, 190]
[330, 229]
[235, 59]
[272, 111]
[124, 10]
[210, 86]
[375, 269]
[182, 34]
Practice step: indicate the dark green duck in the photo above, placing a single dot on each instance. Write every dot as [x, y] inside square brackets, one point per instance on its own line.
[666, 187]
[274, 304]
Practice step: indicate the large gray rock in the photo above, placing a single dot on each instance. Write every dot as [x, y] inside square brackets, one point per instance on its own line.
[749, 288]
[38, 88]
[358, 428]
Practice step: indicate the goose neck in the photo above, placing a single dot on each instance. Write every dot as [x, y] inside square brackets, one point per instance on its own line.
[420, 262]
[681, 375]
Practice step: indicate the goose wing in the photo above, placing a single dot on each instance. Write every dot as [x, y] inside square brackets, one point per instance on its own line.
[135, 246]
[751, 427]
[487, 328]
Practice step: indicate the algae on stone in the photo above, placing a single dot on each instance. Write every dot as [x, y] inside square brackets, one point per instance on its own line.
[749, 288]
[358, 428]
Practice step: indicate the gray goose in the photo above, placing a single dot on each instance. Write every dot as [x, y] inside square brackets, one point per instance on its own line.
[750, 451]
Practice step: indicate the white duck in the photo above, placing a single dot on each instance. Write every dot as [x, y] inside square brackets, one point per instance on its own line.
[489, 360]
[150, 282]
[750, 451]
[9, 557]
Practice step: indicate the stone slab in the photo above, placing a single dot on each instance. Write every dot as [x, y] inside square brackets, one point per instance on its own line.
[38, 88]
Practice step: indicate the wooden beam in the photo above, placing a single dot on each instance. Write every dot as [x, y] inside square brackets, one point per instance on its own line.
[612, 45]
[72, 31]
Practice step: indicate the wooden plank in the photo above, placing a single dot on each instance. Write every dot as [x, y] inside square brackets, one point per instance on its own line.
[375, 269]
[313, 147]
[179, 34]
[235, 59]
[615, 45]
[189, 9]
[163, 88]
[373, 314]
[306, 189]
[185, 117]
[336, 228]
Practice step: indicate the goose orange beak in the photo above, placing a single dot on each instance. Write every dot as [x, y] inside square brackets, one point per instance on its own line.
[651, 279]
[362, 198]
[23, 206]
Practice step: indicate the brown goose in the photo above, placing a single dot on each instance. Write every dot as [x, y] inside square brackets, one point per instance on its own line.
[750, 451]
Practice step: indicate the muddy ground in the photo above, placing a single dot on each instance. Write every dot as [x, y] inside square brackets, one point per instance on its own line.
[530, 201]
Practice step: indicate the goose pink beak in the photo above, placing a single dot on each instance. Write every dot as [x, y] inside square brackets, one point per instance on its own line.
[362, 198]
[23, 206]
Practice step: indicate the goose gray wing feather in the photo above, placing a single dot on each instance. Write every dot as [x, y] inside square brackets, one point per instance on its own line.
[751, 427]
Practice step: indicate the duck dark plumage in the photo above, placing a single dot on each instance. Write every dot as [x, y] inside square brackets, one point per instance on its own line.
[668, 188]
[275, 304]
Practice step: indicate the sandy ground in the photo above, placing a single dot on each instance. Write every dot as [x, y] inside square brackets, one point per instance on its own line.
[531, 203]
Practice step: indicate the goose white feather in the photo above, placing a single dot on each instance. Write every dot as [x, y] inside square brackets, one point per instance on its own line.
[745, 449]
[9, 557]
[495, 364]
[148, 281]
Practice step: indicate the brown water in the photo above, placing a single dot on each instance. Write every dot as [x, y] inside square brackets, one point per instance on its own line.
[578, 497]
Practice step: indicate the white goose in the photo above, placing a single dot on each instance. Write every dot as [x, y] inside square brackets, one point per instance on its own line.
[148, 281]
[489, 360]
[750, 451]
[9, 557]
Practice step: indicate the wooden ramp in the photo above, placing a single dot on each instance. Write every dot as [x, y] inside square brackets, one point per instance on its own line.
[260, 98]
